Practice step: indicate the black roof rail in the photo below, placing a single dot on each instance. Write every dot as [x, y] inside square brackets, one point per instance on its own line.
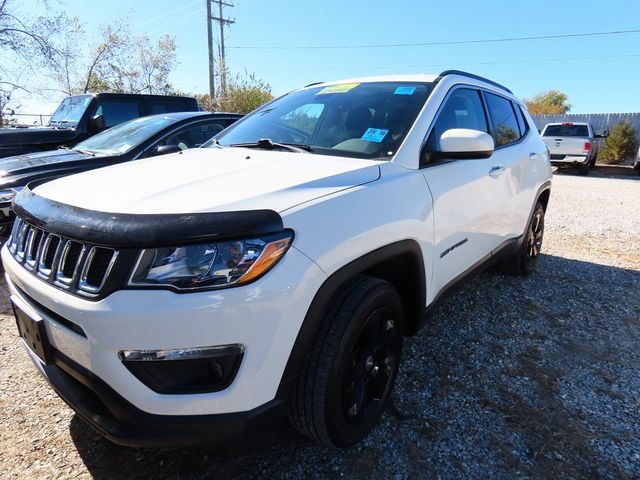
[312, 84]
[471, 75]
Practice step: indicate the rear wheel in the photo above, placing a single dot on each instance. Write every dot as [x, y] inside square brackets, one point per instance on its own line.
[584, 169]
[342, 391]
[524, 261]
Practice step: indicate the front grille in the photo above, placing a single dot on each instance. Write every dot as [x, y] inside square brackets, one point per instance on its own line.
[66, 263]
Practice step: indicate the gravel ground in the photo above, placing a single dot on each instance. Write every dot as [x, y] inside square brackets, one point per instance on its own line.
[513, 378]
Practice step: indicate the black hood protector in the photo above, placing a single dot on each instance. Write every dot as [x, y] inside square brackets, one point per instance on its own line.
[127, 230]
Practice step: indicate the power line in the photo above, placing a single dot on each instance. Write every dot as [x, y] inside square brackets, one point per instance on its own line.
[169, 13]
[426, 44]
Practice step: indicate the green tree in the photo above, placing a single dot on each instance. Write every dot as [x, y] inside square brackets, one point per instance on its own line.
[621, 143]
[244, 94]
[553, 102]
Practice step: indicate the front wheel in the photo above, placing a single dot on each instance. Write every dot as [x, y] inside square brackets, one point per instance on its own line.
[343, 389]
[523, 262]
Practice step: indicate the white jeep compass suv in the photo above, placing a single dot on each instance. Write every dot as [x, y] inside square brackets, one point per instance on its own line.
[207, 295]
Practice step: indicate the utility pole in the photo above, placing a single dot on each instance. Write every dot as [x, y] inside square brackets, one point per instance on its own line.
[223, 22]
[212, 72]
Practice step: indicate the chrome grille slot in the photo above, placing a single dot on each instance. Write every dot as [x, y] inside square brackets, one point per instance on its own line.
[96, 269]
[77, 267]
[21, 241]
[50, 244]
[15, 231]
[69, 262]
[34, 240]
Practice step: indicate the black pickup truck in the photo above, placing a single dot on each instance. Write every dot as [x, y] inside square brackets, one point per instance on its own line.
[81, 116]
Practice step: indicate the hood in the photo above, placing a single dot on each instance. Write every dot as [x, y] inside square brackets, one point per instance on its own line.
[32, 162]
[16, 136]
[211, 180]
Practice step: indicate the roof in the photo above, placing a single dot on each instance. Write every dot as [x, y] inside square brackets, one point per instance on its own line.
[136, 95]
[568, 122]
[177, 116]
[414, 77]
[418, 78]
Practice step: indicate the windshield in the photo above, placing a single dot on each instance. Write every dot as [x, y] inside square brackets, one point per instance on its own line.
[70, 110]
[566, 131]
[124, 137]
[364, 120]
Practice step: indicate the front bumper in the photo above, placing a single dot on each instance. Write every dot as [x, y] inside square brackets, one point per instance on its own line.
[264, 317]
[125, 424]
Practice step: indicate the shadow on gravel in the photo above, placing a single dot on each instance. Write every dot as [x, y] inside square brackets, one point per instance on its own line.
[529, 378]
[602, 171]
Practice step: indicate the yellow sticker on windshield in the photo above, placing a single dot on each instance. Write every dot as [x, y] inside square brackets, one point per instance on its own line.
[340, 88]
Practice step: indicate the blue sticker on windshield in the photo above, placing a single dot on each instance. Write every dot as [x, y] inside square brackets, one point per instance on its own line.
[374, 135]
[404, 91]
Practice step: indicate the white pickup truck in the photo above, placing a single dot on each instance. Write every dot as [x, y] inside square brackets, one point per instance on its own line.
[572, 145]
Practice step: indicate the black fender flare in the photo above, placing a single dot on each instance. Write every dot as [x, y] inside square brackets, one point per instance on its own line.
[321, 301]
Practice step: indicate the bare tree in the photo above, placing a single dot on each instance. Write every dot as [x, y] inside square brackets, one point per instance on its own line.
[26, 43]
[118, 62]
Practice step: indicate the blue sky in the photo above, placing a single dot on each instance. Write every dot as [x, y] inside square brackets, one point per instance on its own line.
[600, 73]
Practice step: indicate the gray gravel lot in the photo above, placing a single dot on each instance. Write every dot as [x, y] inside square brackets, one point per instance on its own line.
[513, 378]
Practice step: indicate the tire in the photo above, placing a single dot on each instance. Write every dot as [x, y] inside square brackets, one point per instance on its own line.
[524, 261]
[592, 164]
[584, 169]
[342, 390]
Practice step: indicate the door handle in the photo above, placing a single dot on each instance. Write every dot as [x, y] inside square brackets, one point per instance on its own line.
[533, 156]
[496, 171]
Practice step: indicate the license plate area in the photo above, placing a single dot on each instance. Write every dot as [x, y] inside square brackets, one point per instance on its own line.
[34, 333]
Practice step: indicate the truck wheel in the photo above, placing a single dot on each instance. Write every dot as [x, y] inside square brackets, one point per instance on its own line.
[343, 389]
[524, 261]
[583, 169]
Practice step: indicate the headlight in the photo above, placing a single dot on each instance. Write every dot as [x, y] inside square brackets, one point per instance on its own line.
[8, 194]
[209, 265]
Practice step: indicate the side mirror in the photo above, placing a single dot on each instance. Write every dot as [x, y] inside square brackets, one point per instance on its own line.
[96, 123]
[605, 133]
[464, 144]
[166, 149]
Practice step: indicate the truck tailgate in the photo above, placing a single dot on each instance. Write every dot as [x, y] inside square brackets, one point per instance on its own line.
[565, 145]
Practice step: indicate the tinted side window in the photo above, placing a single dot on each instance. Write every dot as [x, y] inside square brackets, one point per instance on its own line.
[195, 135]
[117, 111]
[463, 109]
[503, 120]
[522, 122]
[167, 106]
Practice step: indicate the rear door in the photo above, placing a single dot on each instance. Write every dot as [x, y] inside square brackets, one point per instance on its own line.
[508, 164]
[464, 193]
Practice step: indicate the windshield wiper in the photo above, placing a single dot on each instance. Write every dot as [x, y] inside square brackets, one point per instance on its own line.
[267, 144]
[86, 152]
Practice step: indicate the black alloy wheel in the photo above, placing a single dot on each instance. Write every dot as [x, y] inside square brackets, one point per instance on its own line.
[375, 357]
[534, 236]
